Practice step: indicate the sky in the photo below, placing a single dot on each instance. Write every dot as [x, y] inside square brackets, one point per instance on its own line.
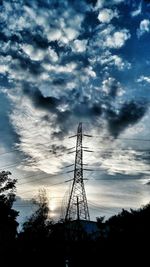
[63, 62]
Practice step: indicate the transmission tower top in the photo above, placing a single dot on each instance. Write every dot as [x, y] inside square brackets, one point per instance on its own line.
[77, 205]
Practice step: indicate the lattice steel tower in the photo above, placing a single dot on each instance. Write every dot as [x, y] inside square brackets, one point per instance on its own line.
[77, 205]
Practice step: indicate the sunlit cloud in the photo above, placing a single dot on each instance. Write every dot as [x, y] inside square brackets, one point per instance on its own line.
[144, 27]
[143, 79]
[106, 15]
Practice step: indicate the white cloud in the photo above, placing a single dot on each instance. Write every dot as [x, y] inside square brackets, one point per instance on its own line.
[144, 27]
[89, 71]
[60, 69]
[39, 55]
[124, 162]
[33, 53]
[117, 39]
[79, 45]
[35, 134]
[54, 34]
[66, 28]
[102, 3]
[109, 37]
[144, 79]
[109, 83]
[5, 61]
[106, 15]
[71, 33]
[63, 33]
[3, 68]
[107, 31]
[137, 11]
[53, 55]
[114, 60]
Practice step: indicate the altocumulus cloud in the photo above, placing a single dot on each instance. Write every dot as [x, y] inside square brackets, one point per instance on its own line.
[58, 59]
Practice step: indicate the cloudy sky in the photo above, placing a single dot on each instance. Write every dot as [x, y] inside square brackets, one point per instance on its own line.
[65, 62]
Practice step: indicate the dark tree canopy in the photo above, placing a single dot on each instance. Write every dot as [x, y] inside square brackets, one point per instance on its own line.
[7, 185]
[8, 223]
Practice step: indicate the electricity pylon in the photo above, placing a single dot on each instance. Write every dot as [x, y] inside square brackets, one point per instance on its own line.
[77, 205]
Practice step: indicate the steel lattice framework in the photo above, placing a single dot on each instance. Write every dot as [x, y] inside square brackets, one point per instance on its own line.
[77, 205]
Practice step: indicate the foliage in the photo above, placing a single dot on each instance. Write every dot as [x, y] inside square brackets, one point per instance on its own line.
[38, 220]
[7, 198]
[7, 185]
[8, 223]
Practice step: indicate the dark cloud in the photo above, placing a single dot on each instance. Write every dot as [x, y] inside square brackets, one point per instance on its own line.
[129, 114]
[59, 49]
[144, 156]
[39, 101]
[57, 149]
[3, 37]
[14, 37]
[8, 136]
[36, 38]
[96, 110]
[79, 58]
[38, 3]
[4, 81]
[59, 81]
[81, 107]
[113, 90]
[93, 2]
[25, 63]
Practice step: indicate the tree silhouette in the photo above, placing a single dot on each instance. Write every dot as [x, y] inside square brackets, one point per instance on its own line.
[36, 230]
[39, 219]
[8, 223]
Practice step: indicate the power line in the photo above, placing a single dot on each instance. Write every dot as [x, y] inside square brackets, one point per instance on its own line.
[22, 206]
[36, 145]
[16, 149]
[30, 204]
[119, 138]
[134, 139]
[29, 199]
[97, 136]
[100, 208]
[44, 178]
[105, 152]
[8, 166]
[122, 149]
[106, 166]
[9, 151]
[41, 178]
[28, 191]
[26, 177]
[15, 163]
